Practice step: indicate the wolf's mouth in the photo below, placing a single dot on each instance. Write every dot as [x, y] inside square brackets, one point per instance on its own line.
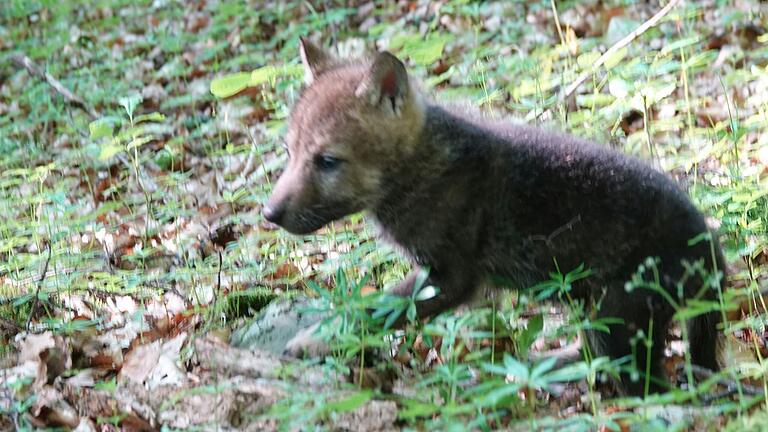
[310, 220]
[303, 226]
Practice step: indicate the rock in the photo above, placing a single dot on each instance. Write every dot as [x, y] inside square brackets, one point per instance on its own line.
[275, 329]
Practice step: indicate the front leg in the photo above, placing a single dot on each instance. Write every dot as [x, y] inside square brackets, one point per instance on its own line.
[455, 285]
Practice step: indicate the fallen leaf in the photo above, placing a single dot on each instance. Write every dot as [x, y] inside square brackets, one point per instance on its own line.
[762, 155]
[139, 362]
[51, 409]
[155, 364]
[34, 344]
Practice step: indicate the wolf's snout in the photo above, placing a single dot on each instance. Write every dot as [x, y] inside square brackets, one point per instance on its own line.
[274, 212]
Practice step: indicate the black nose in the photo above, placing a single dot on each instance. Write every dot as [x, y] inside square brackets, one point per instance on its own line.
[273, 213]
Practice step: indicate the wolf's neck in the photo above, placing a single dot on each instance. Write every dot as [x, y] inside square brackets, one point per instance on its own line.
[448, 149]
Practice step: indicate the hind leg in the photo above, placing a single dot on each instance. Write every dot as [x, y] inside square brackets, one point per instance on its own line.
[702, 340]
[623, 341]
[619, 344]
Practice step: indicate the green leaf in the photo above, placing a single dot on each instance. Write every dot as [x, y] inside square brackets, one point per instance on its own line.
[619, 88]
[429, 51]
[653, 92]
[571, 372]
[400, 41]
[694, 308]
[618, 28]
[129, 103]
[270, 73]
[103, 127]
[515, 367]
[233, 197]
[426, 293]
[414, 409]
[165, 158]
[110, 149]
[312, 285]
[392, 317]
[512, 367]
[109, 386]
[155, 117]
[531, 332]
[23, 299]
[100, 129]
[138, 142]
[411, 313]
[421, 51]
[586, 60]
[494, 396]
[682, 43]
[701, 60]
[543, 367]
[350, 403]
[229, 85]
[341, 279]
[614, 59]
[418, 284]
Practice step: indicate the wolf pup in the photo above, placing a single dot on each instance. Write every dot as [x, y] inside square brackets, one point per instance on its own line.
[474, 200]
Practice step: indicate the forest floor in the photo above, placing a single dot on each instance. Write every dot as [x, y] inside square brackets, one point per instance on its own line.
[140, 139]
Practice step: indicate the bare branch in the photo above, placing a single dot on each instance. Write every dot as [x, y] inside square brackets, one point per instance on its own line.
[619, 45]
[22, 60]
[642, 28]
[36, 302]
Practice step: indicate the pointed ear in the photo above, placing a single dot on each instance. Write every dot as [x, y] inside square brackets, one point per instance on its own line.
[386, 83]
[314, 59]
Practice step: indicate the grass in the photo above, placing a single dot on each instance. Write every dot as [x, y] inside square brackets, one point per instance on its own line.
[161, 194]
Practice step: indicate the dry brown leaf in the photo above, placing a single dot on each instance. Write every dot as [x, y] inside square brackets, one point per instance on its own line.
[51, 354]
[139, 362]
[83, 378]
[51, 409]
[103, 351]
[85, 425]
[762, 155]
[284, 271]
[197, 21]
[155, 364]
[368, 290]
[34, 344]
[34, 370]
[167, 370]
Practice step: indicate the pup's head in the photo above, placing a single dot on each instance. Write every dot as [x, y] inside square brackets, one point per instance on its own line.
[354, 123]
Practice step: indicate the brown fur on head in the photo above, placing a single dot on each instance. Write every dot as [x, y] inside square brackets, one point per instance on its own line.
[352, 125]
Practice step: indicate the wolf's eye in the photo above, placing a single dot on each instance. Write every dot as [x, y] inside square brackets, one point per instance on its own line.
[327, 163]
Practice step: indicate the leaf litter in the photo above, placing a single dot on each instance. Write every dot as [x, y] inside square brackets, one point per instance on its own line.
[123, 334]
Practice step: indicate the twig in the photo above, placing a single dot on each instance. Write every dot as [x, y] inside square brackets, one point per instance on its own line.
[642, 28]
[218, 279]
[557, 22]
[731, 386]
[621, 44]
[39, 286]
[22, 60]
